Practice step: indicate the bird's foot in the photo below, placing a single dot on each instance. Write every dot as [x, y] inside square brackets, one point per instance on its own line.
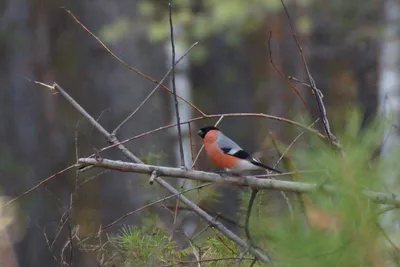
[184, 168]
[227, 173]
[221, 172]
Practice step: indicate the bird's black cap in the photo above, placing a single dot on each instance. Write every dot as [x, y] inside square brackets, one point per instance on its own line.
[203, 131]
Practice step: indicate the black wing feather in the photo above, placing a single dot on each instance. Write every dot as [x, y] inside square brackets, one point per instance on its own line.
[241, 154]
[259, 164]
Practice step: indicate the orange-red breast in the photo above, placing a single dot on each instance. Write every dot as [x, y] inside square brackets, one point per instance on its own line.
[225, 153]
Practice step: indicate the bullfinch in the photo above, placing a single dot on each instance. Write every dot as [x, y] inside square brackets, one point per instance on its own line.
[225, 153]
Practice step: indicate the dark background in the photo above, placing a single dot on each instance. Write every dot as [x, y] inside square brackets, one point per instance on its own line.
[228, 71]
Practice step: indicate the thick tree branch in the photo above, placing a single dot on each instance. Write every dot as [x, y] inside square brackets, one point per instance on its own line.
[299, 187]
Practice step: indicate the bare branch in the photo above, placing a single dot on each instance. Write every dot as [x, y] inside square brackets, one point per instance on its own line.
[378, 197]
[201, 213]
[280, 73]
[316, 92]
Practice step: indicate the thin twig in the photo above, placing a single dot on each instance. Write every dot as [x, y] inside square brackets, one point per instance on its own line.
[176, 211]
[178, 119]
[154, 90]
[253, 262]
[93, 177]
[191, 142]
[248, 213]
[70, 237]
[223, 242]
[48, 243]
[394, 246]
[126, 64]
[217, 215]
[283, 76]
[151, 204]
[201, 231]
[299, 195]
[300, 81]
[317, 93]
[38, 185]
[292, 143]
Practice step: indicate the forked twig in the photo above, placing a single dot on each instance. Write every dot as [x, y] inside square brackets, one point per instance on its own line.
[283, 76]
[153, 91]
[126, 64]
[316, 92]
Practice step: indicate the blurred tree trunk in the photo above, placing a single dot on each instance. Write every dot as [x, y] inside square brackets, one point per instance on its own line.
[389, 103]
[25, 142]
[37, 127]
[343, 57]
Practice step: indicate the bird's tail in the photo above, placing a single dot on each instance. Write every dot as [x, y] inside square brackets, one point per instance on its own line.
[259, 164]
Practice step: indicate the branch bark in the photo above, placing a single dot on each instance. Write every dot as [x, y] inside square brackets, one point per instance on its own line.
[299, 187]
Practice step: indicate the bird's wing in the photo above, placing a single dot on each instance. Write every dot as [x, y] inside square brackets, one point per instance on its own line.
[228, 146]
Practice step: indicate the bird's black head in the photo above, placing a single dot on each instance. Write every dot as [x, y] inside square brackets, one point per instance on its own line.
[203, 131]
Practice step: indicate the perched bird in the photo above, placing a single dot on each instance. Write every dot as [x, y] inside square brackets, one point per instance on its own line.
[226, 154]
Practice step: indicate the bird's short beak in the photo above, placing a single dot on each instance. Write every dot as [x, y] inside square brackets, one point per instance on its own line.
[200, 133]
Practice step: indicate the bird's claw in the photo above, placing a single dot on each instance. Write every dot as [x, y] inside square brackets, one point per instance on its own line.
[184, 168]
[227, 173]
[221, 172]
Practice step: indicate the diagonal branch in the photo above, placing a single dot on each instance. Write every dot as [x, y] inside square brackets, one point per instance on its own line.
[250, 181]
[201, 213]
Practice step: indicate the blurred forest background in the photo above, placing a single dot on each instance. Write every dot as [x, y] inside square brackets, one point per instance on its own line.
[352, 48]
